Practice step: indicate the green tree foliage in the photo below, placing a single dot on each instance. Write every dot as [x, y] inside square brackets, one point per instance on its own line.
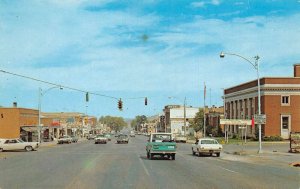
[137, 121]
[115, 123]
[197, 123]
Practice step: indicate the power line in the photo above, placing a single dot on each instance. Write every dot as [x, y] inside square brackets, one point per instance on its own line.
[57, 85]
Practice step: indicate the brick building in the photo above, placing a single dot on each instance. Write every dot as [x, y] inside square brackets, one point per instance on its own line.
[280, 102]
[15, 122]
[22, 123]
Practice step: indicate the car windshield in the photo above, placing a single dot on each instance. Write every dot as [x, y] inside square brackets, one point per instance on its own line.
[20, 140]
[100, 135]
[161, 138]
[209, 142]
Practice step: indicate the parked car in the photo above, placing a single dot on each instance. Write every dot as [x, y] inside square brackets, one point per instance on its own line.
[64, 139]
[161, 144]
[17, 144]
[180, 138]
[132, 135]
[100, 139]
[122, 139]
[74, 139]
[108, 136]
[91, 137]
[207, 146]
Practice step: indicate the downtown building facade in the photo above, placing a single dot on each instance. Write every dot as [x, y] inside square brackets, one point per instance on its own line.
[280, 102]
[174, 118]
[16, 122]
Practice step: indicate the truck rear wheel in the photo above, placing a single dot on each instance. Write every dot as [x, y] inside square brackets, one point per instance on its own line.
[173, 157]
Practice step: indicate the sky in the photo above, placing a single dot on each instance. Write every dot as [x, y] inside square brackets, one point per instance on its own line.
[134, 49]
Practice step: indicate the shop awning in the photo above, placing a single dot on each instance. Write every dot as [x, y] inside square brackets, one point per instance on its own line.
[30, 128]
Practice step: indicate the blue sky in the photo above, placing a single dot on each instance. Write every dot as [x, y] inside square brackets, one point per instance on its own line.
[129, 49]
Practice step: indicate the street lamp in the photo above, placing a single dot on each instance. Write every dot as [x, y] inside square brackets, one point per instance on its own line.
[41, 93]
[256, 67]
[184, 112]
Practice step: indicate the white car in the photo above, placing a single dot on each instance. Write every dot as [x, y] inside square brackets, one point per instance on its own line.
[180, 138]
[102, 139]
[207, 146]
[17, 144]
[64, 139]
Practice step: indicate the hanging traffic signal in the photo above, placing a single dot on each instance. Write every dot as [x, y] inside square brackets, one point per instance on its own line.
[87, 97]
[120, 104]
[146, 101]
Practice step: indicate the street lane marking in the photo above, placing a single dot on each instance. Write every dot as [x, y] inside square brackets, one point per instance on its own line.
[229, 170]
[146, 170]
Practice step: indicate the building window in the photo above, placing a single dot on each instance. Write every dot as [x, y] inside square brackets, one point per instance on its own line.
[285, 100]
[285, 122]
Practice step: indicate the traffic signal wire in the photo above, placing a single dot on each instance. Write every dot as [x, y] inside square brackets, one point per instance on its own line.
[57, 85]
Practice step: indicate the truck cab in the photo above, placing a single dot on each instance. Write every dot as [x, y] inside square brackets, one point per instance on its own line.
[161, 144]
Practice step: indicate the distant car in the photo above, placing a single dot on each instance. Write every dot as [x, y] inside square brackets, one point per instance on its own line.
[207, 146]
[108, 136]
[180, 138]
[132, 135]
[17, 144]
[100, 139]
[122, 139]
[91, 137]
[74, 139]
[64, 140]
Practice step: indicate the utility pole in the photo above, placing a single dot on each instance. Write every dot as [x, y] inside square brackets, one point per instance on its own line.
[204, 127]
[184, 116]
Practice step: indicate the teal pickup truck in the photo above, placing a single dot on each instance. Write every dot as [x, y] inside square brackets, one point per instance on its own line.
[161, 144]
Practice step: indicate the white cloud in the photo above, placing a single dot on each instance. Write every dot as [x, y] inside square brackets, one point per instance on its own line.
[201, 4]
[198, 4]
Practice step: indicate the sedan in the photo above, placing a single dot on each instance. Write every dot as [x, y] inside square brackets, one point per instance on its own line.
[122, 139]
[17, 144]
[64, 139]
[207, 146]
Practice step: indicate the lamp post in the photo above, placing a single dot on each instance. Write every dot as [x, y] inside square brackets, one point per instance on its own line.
[256, 67]
[184, 113]
[41, 93]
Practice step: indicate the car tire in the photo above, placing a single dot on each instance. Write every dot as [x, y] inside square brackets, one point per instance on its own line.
[199, 154]
[218, 154]
[194, 153]
[173, 157]
[151, 156]
[28, 148]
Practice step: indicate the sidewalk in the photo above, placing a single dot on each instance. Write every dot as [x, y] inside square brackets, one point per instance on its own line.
[54, 142]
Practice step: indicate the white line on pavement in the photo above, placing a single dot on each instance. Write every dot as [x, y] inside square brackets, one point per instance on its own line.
[228, 170]
[146, 170]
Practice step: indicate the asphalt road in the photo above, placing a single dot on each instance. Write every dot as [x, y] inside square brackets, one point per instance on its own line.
[89, 165]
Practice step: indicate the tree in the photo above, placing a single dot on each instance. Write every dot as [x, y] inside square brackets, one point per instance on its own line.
[197, 123]
[138, 121]
[115, 123]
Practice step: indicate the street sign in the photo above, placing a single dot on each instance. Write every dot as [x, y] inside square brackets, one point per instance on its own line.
[235, 122]
[260, 119]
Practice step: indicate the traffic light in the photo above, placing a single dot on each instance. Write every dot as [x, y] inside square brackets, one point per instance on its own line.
[120, 104]
[87, 97]
[146, 101]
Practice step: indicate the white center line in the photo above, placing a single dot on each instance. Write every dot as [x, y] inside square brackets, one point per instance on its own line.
[228, 170]
[146, 170]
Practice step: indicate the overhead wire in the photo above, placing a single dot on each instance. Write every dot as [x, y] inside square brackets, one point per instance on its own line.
[58, 85]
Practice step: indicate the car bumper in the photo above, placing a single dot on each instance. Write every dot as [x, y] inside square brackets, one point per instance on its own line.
[209, 151]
